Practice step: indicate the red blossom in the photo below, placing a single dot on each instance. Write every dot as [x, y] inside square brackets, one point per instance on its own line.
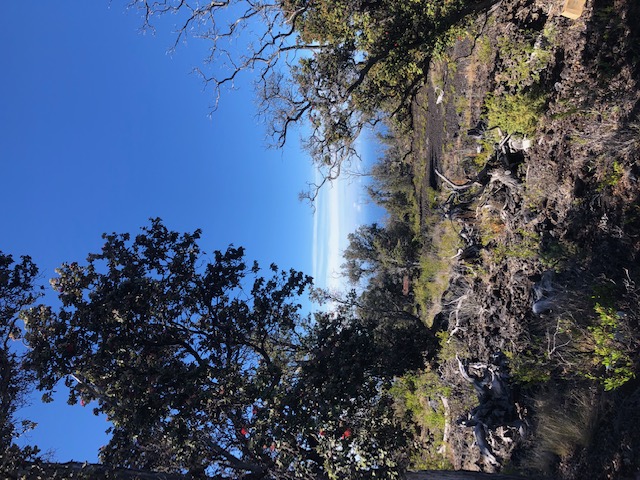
[346, 434]
[82, 402]
[244, 431]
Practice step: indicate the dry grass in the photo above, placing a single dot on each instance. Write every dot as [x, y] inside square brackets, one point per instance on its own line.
[435, 270]
[564, 425]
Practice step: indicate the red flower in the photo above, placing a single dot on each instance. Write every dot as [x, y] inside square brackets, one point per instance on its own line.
[244, 431]
[82, 402]
[346, 434]
[321, 433]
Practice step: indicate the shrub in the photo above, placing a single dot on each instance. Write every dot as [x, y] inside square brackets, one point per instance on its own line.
[420, 396]
[518, 113]
[608, 352]
[524, 60]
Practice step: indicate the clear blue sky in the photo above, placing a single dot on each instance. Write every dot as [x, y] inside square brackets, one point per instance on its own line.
[100, 129]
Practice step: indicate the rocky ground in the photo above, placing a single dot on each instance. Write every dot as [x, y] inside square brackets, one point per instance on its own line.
[550, 233]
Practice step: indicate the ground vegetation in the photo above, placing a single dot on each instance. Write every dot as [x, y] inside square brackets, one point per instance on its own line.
[524, 166]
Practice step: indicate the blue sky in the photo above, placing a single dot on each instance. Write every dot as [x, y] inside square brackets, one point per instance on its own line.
[101, 129]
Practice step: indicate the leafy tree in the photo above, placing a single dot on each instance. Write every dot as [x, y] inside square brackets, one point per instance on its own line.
[338, 64]
[16, 293]
[376, 250]
[186, 355]
[205, 365]
[345, 385]
[392, 180]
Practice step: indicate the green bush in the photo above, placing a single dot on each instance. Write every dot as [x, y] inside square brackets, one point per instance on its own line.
[608, 352]
[419, 395]
[518, 113]
[530, 366]
[524, 60]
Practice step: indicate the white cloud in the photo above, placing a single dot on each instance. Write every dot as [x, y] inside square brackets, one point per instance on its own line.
[340, 209]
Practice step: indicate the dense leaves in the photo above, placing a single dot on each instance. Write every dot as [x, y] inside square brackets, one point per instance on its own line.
[182, 352]
[204, 364]
[17, 281]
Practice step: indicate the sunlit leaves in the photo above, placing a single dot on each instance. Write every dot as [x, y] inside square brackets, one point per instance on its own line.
[171, 344]
[17, 291]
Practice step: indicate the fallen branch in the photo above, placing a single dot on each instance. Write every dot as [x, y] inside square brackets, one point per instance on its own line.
[466, 186]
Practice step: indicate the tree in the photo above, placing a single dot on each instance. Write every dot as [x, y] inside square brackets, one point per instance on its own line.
[392, 184]
[187, 356]
[344, 387]
[375, 251]
[341, 65]
[17, 281]
[205, 365]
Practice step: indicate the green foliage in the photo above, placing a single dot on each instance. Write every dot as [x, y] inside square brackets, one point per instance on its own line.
[435, 264]
[17, 291]
[484, 50]
[608, 352]
[517, 113]
[183, 353]
[374, 56]
[524, 60]
[377, 250]
[341, 387]
[17, 281]
[392, 188]
[556, 254]
[530, 366]
[612, 176]
[204, 362]
[448, 347]
[524, 246]
[419, 395]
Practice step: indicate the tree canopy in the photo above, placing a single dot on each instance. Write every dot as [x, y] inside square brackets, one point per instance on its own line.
[340, 65]
[17, 291]
[205, 364]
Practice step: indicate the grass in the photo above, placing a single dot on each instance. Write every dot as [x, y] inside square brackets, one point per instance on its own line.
[420, 396]
[564, 425]
[435, 264]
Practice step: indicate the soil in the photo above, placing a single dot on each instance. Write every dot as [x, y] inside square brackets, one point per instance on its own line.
[576, 192]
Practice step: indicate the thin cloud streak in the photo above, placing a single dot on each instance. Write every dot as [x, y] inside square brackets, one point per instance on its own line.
[339, 211]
